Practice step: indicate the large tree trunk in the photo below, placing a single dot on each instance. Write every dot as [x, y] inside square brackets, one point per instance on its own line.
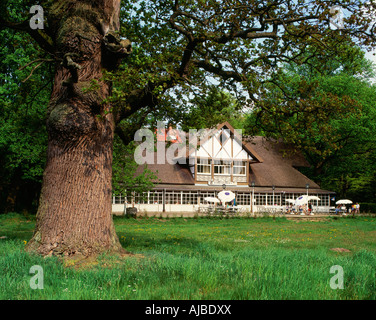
[74, 215]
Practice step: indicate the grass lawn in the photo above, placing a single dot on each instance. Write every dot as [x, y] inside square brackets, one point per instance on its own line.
[235, 259]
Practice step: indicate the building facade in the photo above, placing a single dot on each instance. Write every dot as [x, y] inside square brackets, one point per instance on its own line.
[263, 175]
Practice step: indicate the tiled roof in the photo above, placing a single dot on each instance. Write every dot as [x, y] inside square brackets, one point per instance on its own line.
[269, 168]
[278, 169]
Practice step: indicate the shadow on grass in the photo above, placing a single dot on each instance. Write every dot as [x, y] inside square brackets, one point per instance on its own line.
[134, 241]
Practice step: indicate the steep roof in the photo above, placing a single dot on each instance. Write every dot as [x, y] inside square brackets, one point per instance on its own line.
[271, 166]
[168, 173]
[247, 147]
[188, 150]
[278, 169]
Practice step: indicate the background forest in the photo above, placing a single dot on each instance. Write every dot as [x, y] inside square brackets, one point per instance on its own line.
[324, 107]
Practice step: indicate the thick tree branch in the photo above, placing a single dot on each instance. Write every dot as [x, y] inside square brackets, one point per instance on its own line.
[140, 98]
[249, 34]
[225, 74]
[127, 134]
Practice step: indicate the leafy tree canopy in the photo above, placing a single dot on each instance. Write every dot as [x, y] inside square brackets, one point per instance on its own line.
[330, 115]
[181, 47]
[23, 102]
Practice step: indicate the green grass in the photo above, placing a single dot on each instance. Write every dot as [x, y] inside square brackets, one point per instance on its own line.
[239, 258]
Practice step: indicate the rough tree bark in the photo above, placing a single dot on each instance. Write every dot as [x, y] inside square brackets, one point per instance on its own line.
[74, 215]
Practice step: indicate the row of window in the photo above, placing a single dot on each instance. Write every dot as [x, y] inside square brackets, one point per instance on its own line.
[224, 167]
[191, 197]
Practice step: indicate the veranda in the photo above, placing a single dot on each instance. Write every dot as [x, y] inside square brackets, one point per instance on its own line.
[190, 201]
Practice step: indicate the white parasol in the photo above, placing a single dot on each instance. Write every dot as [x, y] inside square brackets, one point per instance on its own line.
[304, 199]
[226, 196]
[211, 199]
[344, 201]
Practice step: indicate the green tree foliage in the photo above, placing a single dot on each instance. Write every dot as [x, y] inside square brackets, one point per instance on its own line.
[23, 137]
[213, 108]
[126, 179]
[180, 47]
[329, 113]
[351, 169]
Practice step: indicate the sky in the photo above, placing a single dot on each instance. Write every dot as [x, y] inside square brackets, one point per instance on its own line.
[370, 56]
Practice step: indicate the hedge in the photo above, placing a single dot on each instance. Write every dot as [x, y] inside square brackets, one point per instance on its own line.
[368, 207]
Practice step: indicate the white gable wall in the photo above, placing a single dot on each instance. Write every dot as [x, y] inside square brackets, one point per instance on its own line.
[230, 150]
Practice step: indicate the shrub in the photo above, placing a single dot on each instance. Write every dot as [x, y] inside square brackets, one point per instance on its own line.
[368, 207]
